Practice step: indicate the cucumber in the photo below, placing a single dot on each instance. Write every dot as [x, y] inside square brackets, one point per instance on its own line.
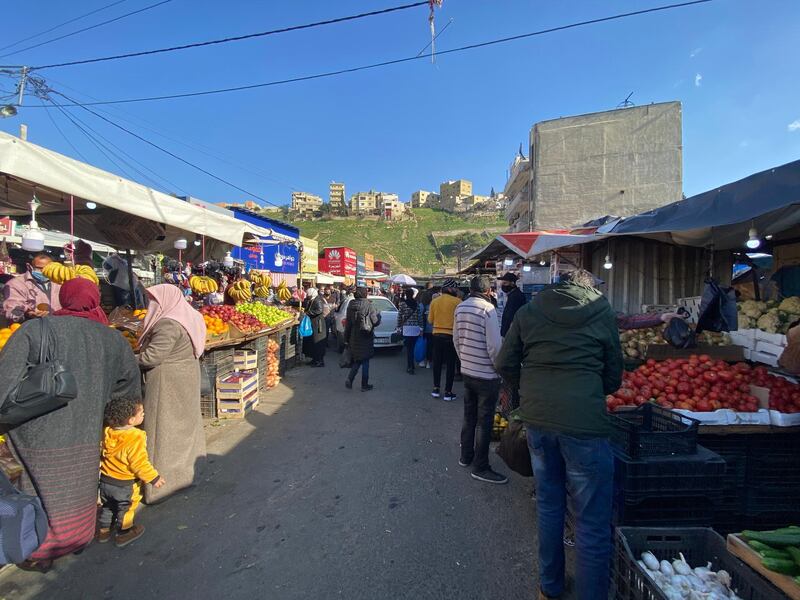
[776, 540]
[781, 565]
[794, 552]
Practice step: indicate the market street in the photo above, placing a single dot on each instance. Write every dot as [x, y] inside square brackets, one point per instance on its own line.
[337, 494]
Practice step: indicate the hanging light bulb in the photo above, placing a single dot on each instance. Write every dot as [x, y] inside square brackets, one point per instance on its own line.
[228, 260]
[753, 241]
[542, 262]
[91, 205]
[607, 264]
[768, 237]
[197, 241]
[32, 237]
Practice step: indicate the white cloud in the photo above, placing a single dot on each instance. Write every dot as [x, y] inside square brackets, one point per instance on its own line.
[698, 80]
[695, 52]
[794, 125]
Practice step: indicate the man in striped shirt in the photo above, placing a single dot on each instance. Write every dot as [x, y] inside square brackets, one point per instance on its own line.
[476, 336]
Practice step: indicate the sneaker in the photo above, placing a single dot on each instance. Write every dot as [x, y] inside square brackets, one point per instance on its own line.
[464, 463]
[435, 393]
[366, 388]
[423, 364]
[348, 384]
[103, 535]
[428, 365]
[490, 476]
[129, 535]
[449, 396]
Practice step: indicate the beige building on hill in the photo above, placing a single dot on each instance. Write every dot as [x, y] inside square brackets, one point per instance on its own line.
[424, 199]
[390, 206]
[336, 197]
[453, 192]
[305, 203]
[364, 203]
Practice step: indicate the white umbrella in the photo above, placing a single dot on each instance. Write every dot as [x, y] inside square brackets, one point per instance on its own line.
[403, 279]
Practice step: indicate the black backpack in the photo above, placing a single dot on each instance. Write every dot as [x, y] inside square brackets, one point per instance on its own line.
[23, 523]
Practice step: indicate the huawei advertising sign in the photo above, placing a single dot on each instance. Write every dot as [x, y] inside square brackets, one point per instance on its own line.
[341, 261]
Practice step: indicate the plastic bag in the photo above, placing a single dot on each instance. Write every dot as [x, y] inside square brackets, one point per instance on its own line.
[717, 309]
[420, 349]
[513, 449]
[306, 330]
[679, 335]
[346, 359]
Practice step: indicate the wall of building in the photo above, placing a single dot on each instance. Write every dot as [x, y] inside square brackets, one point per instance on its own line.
[620, 162]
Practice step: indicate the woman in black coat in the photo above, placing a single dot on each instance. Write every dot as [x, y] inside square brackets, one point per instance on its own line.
[362, 319]
[314, 345]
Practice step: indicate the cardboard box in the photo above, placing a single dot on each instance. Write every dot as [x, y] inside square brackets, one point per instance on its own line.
[772, 338]
[746, 338]
[779, 419]
[766, 359]
[767, 348]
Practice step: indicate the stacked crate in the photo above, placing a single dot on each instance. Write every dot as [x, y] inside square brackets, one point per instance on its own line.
[237, 394]
[217, 363]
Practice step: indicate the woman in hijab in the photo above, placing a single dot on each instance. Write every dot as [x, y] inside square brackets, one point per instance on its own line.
[173, 338]
[314, 345]
[60, 451]
[410, 325]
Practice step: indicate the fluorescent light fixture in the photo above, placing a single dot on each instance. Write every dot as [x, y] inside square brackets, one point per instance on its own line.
[768, 237]
[180, 244]
[91, 205]
[526, 268]
[752, 239]
[607, 264]
[508, 262]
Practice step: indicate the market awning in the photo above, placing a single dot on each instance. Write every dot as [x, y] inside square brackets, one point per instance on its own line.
[128, 214]
[722, 217]
[518, 243]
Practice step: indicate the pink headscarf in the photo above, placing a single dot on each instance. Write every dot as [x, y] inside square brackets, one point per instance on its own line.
[167, 302]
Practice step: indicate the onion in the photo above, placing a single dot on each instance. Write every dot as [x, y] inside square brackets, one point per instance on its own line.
[650, 560]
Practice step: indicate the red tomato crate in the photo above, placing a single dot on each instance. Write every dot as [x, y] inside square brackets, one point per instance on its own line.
[237, 394]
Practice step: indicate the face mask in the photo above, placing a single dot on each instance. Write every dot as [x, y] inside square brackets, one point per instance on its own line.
[507, 287]
[39, 276]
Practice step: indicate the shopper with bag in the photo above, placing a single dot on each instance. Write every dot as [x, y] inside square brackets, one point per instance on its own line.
[408, 322]
[476, 337]
[563, 350]
[60, 450]
[362, 319]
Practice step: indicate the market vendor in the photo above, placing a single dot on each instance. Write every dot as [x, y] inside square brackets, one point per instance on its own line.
[31, 295]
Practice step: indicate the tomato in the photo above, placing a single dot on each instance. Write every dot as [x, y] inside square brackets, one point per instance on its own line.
[672, 398]
[704, 358]
[744, 388]
[684, 388]
[715, 404]
[709, 376]
[651, 362]
[670, 389]
[691, 373]
[726, 375]
[703, 406]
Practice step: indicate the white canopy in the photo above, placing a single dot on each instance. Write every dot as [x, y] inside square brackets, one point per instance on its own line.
[128, 215]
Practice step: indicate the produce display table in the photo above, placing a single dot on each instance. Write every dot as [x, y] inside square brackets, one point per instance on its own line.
[228, 342]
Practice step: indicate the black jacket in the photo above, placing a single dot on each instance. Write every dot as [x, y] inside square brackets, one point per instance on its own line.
[361, 342]
[514, 301]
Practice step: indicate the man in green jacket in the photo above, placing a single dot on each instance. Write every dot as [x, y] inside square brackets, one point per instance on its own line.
[563, 351]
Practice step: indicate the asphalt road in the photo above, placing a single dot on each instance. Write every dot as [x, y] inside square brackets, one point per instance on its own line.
[322, 493]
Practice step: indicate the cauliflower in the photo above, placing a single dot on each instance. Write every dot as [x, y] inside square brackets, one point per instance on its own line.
[769, 323]
[745, 322]
[752, 309]
[791, 305]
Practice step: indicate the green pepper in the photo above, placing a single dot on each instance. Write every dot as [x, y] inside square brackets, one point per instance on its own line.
[780, 565]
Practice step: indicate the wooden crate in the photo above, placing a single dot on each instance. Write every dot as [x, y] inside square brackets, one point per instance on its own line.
[236, 385]
[245, 360]
[237, 409]
[739, 548]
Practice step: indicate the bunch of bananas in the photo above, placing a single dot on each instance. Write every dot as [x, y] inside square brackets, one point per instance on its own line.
[58, 273]
[262, 291]
[86, 272]
[202, 285]
[284, 295]
[240, 291]
[260, 278]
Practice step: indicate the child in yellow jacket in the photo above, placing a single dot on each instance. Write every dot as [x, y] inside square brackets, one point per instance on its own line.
[123, 465]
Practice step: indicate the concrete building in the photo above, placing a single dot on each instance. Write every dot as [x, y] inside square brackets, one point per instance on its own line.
[249, 205]
[619, 162]
[453, 192]
[474, 201]
[390, 206]
[305, 203]
[424, 199]
[364, 203]
[336, 197]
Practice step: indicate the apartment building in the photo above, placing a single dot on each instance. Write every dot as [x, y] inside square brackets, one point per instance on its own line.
[336, 197]
[453, 192]
[424, 199]
[390, 206]
[305, 203]
[364, 203]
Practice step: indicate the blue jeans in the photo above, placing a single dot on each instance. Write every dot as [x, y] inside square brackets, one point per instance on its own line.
[584, 470]
[364, 364]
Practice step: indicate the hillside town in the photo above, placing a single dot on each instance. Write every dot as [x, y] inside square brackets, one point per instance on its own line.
[575, 375]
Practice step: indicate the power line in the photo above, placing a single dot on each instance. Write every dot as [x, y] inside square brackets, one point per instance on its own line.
[60, 25]
[164, 150]
[399, 60]
[235, 38]
[63, 135]
[66, 35]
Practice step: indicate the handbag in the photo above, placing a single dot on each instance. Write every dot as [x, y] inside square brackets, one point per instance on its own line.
[306, 330]
[46, 386]
[513, 449]
[346, 359]
[22, 521]
[420, 349]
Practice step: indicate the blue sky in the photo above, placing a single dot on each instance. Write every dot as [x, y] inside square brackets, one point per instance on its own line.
[732, 63]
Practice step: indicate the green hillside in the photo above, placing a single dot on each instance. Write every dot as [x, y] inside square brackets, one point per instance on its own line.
[408, 245]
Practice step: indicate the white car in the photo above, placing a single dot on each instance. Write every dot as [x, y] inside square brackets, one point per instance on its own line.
[386, 335]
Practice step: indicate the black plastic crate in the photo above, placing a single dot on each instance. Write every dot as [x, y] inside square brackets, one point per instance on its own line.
[681, 511]
[208, 403]
[650, 430]
[698, 545]
[730, 521]
[218, 356]
[772, 498]
[666, 476]
[773, 519]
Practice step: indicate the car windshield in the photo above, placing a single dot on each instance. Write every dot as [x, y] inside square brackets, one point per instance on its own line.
[382, 304]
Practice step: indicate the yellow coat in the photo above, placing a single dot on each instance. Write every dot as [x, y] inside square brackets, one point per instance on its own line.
[125, 455]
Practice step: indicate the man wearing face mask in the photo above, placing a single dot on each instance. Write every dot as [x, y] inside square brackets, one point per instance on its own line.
[515, 300]
[26, 296]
